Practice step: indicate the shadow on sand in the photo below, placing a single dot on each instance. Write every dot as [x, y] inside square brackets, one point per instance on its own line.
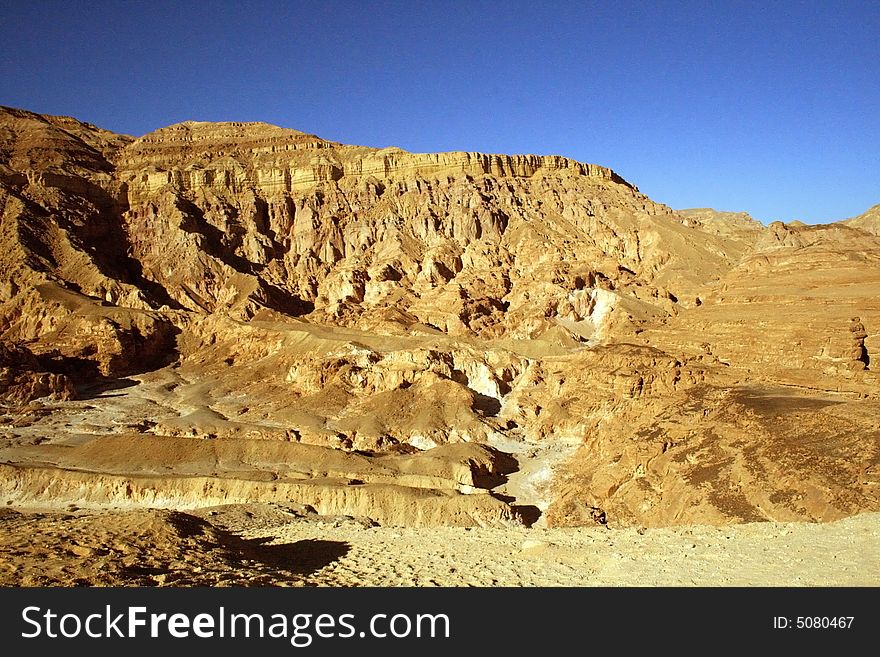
[301, 558]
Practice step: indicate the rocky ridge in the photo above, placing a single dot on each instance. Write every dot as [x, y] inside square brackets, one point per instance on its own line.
[235, 284]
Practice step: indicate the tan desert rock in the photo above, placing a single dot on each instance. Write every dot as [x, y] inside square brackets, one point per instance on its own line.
[221, 313]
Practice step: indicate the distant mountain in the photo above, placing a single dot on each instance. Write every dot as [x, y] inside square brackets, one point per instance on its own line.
[868, 221]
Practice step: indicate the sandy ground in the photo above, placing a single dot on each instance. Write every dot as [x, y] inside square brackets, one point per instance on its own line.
[270, 545]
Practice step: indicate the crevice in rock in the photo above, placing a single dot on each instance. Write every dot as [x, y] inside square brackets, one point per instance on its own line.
[859, 350]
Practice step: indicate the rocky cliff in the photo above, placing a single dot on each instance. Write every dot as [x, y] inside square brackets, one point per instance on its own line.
[223, 281]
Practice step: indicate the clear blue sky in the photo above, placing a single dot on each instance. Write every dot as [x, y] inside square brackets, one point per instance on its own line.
[767, 107]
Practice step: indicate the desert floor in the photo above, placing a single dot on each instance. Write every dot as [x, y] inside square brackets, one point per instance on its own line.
[274, 545]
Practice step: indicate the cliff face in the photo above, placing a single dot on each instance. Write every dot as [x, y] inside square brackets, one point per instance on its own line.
[236, 217]
[250, 281]
[283, 220]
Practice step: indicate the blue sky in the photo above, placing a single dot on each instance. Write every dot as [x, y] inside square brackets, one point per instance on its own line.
[767, 107]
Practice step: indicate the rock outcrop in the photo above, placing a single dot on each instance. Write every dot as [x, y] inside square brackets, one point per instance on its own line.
[258, 304]
[23, 378]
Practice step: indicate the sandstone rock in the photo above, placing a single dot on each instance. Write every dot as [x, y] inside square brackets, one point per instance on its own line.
[23, 378]
[291, 318]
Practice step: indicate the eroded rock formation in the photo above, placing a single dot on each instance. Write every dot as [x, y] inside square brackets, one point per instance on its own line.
[465, 338]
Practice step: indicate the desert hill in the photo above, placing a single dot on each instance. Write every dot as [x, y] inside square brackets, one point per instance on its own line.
[868, 221]
[234, 312]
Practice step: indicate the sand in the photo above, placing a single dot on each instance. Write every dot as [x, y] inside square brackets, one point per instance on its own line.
[271, 545]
